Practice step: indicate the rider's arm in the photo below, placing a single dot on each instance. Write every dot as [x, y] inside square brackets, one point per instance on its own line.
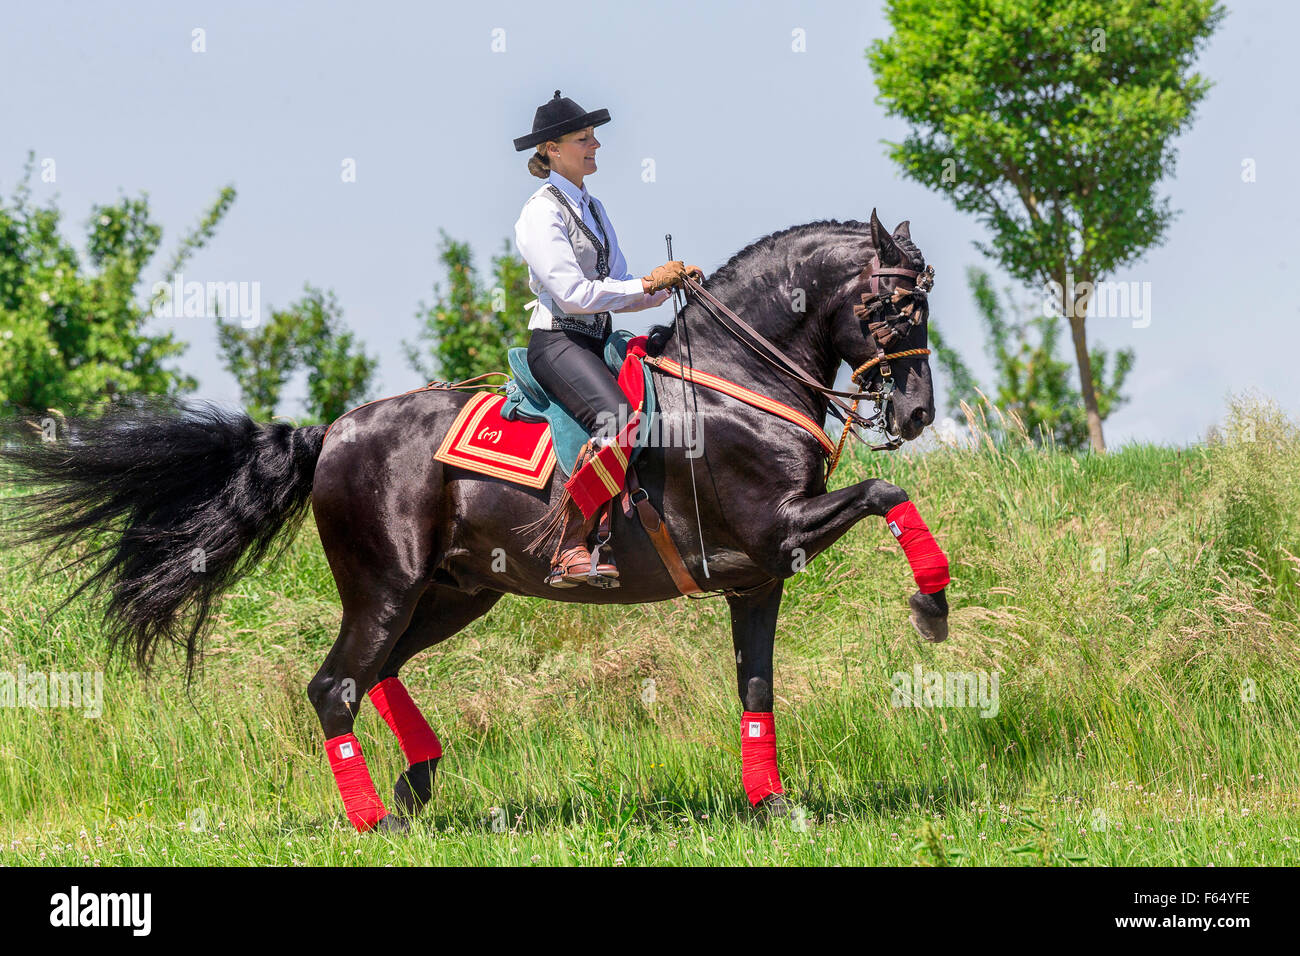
[542, 240]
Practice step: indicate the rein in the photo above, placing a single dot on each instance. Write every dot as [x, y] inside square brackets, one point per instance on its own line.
[880, 331]
[695, 376]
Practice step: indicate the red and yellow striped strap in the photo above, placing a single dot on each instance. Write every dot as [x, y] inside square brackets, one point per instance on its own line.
[749, 397]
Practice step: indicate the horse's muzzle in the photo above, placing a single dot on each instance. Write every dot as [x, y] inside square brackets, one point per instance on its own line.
[909, 427]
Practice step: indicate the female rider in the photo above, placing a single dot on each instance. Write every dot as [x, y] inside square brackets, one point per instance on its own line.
[579, 275]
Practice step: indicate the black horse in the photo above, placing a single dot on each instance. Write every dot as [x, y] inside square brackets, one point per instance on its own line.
[194, 497]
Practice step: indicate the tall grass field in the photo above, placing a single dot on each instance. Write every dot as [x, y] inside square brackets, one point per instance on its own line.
[1140, 610]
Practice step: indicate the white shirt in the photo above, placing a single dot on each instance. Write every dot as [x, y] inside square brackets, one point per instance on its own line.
[543, 240]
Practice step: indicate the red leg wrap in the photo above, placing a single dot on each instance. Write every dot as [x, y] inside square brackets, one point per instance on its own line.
[929, 563]
[413, 733]
[362, 803]
[758, 756]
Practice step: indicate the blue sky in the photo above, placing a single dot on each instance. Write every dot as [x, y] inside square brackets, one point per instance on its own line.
[747, 137]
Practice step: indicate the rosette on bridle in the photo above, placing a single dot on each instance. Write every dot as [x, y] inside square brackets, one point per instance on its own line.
[886, 312]
[911, 304]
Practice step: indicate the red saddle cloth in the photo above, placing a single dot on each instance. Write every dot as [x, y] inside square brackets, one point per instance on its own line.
[482, 441]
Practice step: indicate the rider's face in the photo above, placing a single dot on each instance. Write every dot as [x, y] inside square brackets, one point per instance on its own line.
[574, 154]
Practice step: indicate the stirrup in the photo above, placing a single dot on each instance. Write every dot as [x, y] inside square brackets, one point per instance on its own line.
[602, 575]
[570, 572]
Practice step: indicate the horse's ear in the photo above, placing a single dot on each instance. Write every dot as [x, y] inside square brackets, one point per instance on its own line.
[884, 245]
[903, 230]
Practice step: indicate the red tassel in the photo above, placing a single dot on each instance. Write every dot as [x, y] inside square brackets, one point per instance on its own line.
[590, 485]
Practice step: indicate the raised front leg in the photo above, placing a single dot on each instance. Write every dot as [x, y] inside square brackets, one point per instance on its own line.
[753, 633]
[807, 526]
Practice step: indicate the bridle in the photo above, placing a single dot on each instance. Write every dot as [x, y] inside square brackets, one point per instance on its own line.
[909, 307]
[884, 329]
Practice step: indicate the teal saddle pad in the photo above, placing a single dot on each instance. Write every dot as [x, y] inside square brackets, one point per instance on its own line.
[526, 400]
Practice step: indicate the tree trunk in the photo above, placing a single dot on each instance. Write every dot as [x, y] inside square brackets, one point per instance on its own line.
[1077, 312]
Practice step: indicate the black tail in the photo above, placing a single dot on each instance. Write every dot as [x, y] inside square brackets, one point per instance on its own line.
[191, 496]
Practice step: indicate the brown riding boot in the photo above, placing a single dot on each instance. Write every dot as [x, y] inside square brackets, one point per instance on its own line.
[572, 561]
[571, 564]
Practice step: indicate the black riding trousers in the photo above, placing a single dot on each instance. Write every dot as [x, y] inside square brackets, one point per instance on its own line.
[571, 366]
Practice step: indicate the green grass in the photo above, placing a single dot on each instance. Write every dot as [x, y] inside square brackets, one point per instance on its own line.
[1140, 609]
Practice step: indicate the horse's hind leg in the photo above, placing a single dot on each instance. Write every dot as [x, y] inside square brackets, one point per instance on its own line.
[370, 629]
[441, 612]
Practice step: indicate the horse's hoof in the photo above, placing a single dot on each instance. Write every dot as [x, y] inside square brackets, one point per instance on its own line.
[392, 823]
[930, 616]
[414, 787]
[774, 808]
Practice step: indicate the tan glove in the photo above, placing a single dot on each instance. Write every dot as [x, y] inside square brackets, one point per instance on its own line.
[670, 275]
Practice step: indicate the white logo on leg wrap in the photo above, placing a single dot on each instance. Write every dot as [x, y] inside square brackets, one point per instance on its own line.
[345, 749]
[755, 729]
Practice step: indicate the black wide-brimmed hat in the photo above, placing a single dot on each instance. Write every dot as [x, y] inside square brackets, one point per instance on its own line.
[557, 116]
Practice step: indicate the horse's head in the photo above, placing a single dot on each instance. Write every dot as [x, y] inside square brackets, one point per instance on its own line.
[867, 290]
[885, 313]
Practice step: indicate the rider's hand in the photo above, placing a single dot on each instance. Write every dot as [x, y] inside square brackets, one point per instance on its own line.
[666, 276]
[696, 273]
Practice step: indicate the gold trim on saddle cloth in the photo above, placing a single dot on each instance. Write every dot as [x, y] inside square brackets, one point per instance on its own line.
[459, 448]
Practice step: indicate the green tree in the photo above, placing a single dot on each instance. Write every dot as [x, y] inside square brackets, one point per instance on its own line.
[468, 330]
[1051, 121]
[338, 370]
[309, 333]
[72, 333]
[261, 358]
[1029, 379]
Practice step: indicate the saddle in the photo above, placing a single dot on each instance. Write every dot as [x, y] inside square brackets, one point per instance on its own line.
[518, 436]
[527, 401]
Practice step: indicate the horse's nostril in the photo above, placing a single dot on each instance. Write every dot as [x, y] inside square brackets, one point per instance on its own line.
[920, 416]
